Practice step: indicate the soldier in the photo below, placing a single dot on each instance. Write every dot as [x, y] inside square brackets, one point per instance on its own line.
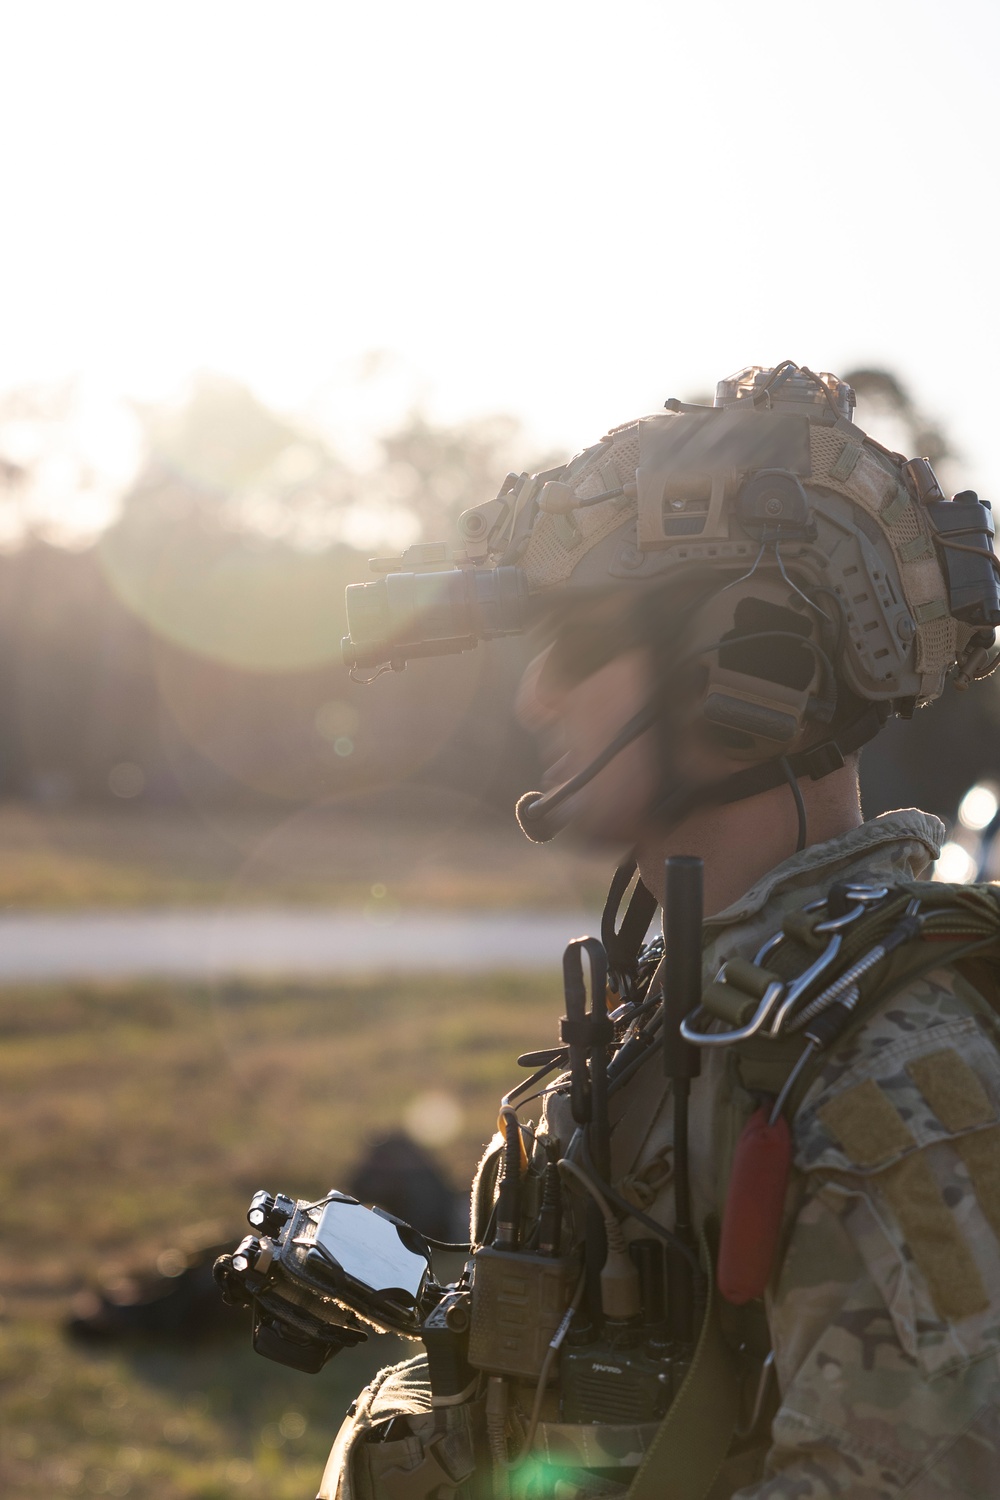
[730, 602]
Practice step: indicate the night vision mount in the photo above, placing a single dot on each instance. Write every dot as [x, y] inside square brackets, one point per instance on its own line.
[428, 605]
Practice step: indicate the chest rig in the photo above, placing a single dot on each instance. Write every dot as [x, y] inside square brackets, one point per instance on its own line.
[566, 1362]
[699, 1317]
[593, 1338]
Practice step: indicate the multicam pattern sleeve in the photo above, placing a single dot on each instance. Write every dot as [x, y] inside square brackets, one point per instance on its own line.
[886, 1314]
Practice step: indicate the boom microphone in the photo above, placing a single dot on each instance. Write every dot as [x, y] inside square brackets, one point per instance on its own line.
[533, 809]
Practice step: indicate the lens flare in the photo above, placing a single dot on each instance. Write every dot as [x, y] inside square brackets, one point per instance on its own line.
[956, 866]
[978, 807]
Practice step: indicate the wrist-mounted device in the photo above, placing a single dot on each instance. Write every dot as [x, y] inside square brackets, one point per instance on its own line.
[550, 1295]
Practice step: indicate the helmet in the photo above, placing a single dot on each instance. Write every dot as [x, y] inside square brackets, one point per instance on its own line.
[827, 582]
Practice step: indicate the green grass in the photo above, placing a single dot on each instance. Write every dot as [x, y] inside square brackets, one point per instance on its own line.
[452, 857]
[130, 1112]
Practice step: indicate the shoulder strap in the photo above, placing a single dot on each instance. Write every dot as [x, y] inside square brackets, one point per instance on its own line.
[622, 944]
[962, 931]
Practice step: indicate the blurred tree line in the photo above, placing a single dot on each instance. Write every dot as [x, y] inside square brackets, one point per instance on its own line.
[190, 650]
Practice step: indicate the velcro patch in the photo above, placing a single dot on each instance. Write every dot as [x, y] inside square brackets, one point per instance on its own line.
[894, 507]
[929, 1226]
[981, 1154]
[865, 1123]
[872, 1133]
[846, 461]
[917, 546]
[952, 1090]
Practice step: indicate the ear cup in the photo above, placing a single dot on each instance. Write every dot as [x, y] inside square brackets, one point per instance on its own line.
[763, 667]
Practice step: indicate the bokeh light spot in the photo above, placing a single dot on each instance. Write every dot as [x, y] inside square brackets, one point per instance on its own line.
[336, 718]
[433, 1119]
[292, 1425]
[171, 1263]
[126, 779]
[979, 806]
[956, 866]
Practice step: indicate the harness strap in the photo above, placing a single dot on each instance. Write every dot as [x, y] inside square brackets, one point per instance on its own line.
[693, 1441]
[815, 763]
[622, 944]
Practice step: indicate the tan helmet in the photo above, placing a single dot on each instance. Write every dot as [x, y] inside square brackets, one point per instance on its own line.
[830, 582]
[796, 516]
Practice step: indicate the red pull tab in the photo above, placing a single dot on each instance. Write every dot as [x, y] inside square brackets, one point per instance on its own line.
[754, 1206]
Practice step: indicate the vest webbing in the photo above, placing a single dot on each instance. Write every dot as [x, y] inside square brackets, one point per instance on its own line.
[694, 1437]
[963, 932]
[693, 1441]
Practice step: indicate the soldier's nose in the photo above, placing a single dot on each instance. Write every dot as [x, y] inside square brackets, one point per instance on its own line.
[536, 702]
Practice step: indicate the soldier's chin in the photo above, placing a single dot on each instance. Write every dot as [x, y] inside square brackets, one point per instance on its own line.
[587, 821]
[598, 828]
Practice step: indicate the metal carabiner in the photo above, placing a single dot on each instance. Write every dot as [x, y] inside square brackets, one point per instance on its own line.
[769, 1000]
[781, 999]
[845, 989]
[858, 890]
[834, 924]
[864, 895]
[799, 986]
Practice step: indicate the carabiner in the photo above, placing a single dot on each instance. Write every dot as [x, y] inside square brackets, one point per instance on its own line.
[798, 987]
[770, 998]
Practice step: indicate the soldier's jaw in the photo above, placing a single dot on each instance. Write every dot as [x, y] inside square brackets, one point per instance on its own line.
[580, 723]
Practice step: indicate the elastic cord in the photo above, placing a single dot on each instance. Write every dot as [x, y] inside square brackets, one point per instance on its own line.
[800, 807]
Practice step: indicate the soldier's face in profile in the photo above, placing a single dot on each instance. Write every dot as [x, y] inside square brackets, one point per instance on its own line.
[597, 673]
[574, 717]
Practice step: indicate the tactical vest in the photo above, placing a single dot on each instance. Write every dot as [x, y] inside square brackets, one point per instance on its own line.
[775, 1020]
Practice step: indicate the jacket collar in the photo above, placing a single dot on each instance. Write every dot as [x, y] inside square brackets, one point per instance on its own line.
[896, 846]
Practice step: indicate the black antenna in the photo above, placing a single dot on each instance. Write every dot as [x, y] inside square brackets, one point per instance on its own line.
[681, 1062]
[588, 1036]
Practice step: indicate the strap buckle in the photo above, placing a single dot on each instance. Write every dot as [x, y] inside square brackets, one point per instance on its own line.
[823, 759]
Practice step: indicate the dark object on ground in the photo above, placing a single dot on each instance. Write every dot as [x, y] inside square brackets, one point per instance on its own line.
[400, 1176]
[178, 1299]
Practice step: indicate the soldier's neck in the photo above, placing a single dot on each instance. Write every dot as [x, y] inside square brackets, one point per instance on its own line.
[740, 842]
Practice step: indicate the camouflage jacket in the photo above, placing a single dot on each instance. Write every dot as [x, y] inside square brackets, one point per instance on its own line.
[885, 1312]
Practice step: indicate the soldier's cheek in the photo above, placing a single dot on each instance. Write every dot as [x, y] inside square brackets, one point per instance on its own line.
[615, 807]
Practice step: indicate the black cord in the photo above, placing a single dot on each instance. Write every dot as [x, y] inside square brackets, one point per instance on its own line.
[800, 807]
[598, 499]
[629, 1210]
[558, 1061]
[533, 807]
[805, 370]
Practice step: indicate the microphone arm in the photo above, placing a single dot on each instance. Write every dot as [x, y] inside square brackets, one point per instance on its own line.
[533, 809]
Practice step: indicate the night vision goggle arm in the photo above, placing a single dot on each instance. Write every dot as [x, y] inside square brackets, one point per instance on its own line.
[431, 611]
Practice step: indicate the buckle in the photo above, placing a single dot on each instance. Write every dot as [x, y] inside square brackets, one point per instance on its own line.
[822, 759]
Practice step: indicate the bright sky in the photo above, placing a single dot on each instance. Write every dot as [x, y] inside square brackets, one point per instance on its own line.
[565, 209]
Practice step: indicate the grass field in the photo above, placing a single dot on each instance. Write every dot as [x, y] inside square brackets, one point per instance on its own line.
[440, 852]
[129, 1112]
